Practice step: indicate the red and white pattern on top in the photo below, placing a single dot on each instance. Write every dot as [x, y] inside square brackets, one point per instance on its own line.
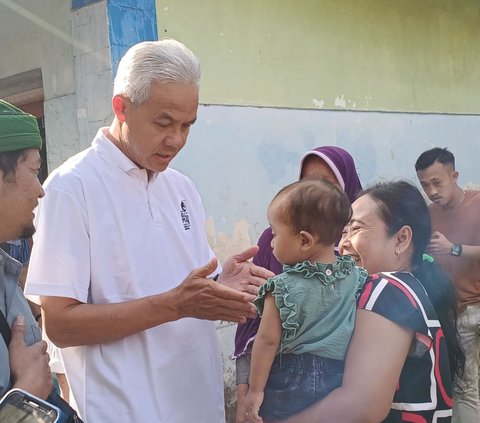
[424, 391]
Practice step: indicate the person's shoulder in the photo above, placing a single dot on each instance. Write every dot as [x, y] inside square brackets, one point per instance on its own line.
[178, 179]
[71, 169]
[266, 237]
[174, 174]
[473, 195]
[388, 293]
[394, 284]
[405, 278]
[178, 186]
[371, 283]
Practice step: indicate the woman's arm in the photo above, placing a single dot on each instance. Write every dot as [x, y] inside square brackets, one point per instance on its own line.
[376, 354]
[263, 353]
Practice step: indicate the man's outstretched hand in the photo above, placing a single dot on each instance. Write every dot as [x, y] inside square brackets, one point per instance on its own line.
[241, 274]
[202, 298]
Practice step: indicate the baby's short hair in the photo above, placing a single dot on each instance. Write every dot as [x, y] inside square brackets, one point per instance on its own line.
[316, 206]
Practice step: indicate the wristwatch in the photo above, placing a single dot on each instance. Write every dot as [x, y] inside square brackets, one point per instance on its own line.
[456, 250]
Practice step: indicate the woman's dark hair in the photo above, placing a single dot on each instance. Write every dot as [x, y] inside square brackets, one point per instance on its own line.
[401, 203]
[8, 163]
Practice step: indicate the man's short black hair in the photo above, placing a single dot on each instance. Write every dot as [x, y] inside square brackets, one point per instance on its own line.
[9, 161]
[429, 157]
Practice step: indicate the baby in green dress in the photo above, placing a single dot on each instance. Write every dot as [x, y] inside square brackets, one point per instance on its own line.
[308, 311]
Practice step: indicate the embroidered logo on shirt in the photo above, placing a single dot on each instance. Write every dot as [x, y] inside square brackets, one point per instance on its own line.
[184, 215]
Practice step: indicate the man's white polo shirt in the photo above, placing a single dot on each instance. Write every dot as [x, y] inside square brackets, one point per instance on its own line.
[106, 234]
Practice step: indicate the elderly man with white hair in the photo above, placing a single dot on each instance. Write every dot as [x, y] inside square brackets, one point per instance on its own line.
[129, 291]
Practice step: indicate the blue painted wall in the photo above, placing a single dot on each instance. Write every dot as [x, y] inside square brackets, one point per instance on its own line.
[239, 157]
[78, 4]
[129, 22]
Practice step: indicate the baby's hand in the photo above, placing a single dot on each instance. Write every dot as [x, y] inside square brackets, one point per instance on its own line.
[252, 406]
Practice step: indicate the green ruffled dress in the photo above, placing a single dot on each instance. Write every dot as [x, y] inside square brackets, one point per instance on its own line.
[317, 304]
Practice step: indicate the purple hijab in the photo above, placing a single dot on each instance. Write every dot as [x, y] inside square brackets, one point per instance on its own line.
[343, 167]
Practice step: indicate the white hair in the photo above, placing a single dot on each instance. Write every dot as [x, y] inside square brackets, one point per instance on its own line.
[165, 61]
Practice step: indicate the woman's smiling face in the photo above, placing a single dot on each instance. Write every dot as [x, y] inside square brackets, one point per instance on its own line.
[366, 237]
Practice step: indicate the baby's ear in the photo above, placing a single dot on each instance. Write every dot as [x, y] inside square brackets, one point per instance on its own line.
[306, 239]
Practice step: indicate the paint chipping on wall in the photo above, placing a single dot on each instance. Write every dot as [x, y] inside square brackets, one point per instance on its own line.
[318, 103]
[223, 245]
[340, 101]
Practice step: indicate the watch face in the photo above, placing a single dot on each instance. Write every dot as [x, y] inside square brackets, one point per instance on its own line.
[456, 249]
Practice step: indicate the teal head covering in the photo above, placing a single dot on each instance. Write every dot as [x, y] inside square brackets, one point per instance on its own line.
[18, 130]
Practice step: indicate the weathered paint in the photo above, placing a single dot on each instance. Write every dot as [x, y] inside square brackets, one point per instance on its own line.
[240, 156]
[382, 55]
[93, 76]
[129, 22]
[78, 4]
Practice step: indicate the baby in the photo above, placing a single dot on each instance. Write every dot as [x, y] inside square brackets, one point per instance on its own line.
[308, 311]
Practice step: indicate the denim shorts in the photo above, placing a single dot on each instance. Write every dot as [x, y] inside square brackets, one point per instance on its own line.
[297, 381]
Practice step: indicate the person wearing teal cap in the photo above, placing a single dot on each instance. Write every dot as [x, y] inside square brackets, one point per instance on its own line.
[19, 130]
[23, 356]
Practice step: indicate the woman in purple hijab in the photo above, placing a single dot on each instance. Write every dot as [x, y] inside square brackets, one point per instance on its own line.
[336, 166]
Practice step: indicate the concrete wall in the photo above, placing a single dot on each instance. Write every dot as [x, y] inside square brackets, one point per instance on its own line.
[71, 47]
[404, 55]
[239, 157]
[76, 45]
[38, 35]
[302, 58]
[103, 31]
[93, 72]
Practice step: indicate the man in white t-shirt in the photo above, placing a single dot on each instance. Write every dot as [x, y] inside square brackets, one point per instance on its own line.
[121, 260]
